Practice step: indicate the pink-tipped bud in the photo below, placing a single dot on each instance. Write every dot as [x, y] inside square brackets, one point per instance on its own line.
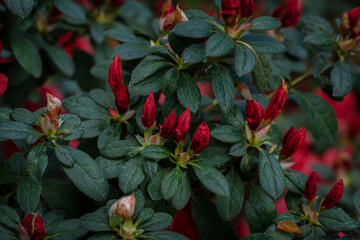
[124, 207]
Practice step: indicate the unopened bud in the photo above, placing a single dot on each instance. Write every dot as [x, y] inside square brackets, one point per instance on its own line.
[32, 228]
[124, 207]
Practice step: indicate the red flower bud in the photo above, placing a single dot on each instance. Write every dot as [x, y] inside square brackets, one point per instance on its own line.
[3, 83]
[32, 227]
[277, 102]
[311, 187]
[115, 77]
[122, 100]
[354, 20]
[334, 196]
[247, 8]
[292, 141]
[230, 7]
[254, 114]
[117, 3]
[200, 139]
[168, 125]
[182, 126]
[148, 115]
[289, 14]
[124, 207]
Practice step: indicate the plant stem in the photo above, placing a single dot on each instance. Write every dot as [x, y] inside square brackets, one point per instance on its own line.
[300, 79]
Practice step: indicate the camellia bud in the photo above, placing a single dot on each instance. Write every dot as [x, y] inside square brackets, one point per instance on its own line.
[254, 114]
[182, 126]
[200, 139]
[289, 13]
[122, 100]
[334, 196]
[247, 8]
[115, 76]
[148, 115]
[32, 227]
[292, 141]
[311, 187]
[230, 10]
[124, 207]
[277, 102]
[168, 125]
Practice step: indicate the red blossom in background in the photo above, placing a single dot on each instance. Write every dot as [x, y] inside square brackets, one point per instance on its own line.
[289, 13]
[334, 196]
[254, 114]
[148, 115]
[68, 42]
[292, 141]
[200, 138]
[3, 83]
[182, 126]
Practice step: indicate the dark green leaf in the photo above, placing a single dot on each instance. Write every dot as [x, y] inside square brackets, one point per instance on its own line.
[170, 81]
[334, 219]
[188, 93]
[70, 229]
[87, 175]
[244, 60]
[219, 44]
[111, 168]
[154, 186]
[195, 53]
[20, 8]
[156, 152]
[84, 107]
[262, 73]
[320, 39]
[163, 235]
[63, 155]
[223, 86]
[319, 116]
[104, 236]
[123, 34]
[159, 221]
[356, 200]
[6, 234]
[28, 194]
[271, 175]
[109, 134]
[97, 32]
[93, 128]
[52, 218]
[264, 43]
[152, 83]
[274, 234]
[37, 162]
[150, 167]
[239, 149]
[131, 175]
[230, 206]
[265, 23]
[61, 59]
[341, 79]
[182, 196]
[171, 183]
[23, 115]
[193, 29]
[147, 67]
[71, 127]
[295, 181]
[212, 179]
[234, 117]
[9, 217]
[117, 149]
[320, 65]
[71, 9]
[227, 134]
[95, 222]
[195, 14]
[215, 155]
[27, 55]
[130, 51]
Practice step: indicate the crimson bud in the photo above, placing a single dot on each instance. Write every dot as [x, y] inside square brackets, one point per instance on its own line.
[122, 100]
[148, 115]
[334, 196]
[182, 126]
[292, 141]
[354, 20]
[124, 207]
[277, 102]
[115, 76]
[311, 187]
[247, 8]
[289, 13]
[32, 227]
[168, 125]
[200, 139]
[230, 10]
[254, 114]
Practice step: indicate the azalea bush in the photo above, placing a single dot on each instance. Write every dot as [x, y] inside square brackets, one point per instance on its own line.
[118, 123]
